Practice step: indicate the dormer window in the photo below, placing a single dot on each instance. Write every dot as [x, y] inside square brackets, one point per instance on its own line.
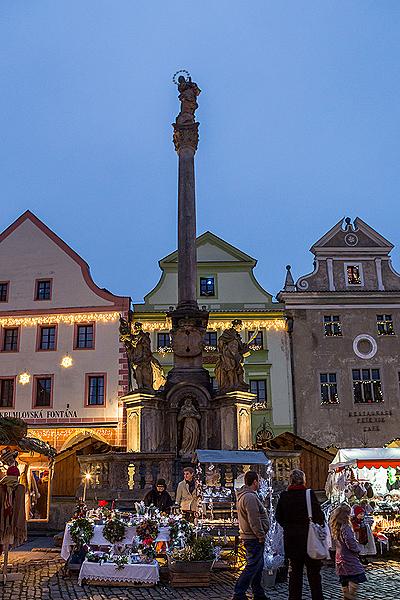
[353, 274]
[207, 286]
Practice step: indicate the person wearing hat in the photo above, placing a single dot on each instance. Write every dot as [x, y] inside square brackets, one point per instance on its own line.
[159, 497]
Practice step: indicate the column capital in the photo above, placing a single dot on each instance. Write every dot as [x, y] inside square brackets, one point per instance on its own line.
[186, 136]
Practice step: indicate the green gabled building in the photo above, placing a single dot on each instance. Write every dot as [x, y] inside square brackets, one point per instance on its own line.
[228, 289]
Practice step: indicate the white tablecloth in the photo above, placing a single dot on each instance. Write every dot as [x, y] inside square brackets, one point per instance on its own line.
[137, 573]
[99, 540]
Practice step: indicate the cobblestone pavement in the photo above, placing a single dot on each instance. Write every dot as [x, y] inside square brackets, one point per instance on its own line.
[43, 579]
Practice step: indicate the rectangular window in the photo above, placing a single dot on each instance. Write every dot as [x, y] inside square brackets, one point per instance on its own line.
[210, 340]
[163, 340]
[385, 324]
[95, 390]
[259, 387]
[353, 275]
[332, 326]
[258, 342]
[10, 339]
[207, 286]
[329, 393]
[43, 289]
[47, 339]
[4, 291]
[214, 384]
[367, 387]
[43, 390]
[7, 392]
[84, 336]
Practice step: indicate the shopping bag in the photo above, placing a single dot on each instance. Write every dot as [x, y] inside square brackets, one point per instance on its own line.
[319, 538]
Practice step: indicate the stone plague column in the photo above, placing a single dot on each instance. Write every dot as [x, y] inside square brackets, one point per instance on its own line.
[189, 323]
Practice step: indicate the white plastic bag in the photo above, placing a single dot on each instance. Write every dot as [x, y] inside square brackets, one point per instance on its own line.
[319, 537]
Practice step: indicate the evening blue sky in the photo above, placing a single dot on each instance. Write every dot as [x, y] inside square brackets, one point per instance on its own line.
[299, 125]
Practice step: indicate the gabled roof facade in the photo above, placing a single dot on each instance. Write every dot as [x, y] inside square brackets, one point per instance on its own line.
[231, 269]
[29, 244]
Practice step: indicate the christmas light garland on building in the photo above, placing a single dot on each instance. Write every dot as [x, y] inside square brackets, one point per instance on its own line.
[66, 319]
[275, 324]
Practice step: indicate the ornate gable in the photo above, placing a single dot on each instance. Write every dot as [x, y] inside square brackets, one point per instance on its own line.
[354, 238]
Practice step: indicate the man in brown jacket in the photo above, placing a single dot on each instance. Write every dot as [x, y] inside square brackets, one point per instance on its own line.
[253, 526]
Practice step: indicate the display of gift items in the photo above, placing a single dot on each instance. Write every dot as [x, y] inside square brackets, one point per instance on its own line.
[13, 531]
[369, 480]
[219, 473]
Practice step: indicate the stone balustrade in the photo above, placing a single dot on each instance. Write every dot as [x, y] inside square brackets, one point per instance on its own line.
[127, 475]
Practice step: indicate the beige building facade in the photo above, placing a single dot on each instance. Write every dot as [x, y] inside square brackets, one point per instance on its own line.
[62, 367]
[344, 322]
[228, 289]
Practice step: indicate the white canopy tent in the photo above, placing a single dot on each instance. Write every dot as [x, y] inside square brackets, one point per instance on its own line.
[366, 457]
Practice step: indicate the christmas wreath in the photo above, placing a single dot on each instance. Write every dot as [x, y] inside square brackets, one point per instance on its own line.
[81, 531]
[148, 528]
[114, 531]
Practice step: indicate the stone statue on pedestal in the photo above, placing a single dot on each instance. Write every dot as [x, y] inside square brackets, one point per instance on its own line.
[191, 430]
[146, 369]
[229, 370]
[188, 92]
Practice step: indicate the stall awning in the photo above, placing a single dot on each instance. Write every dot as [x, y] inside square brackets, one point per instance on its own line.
[238, 457]
[366, 457]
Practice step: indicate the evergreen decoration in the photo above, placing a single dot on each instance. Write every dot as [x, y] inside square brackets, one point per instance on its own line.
[81, 531]
[148, 528]
[199, 550]
[181, 533]
[114, 531]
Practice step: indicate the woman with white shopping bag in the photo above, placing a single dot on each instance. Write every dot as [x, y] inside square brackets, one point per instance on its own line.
[292, 514]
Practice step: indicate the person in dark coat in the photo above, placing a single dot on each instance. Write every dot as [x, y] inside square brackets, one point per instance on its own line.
[159, 497]
[292, 515]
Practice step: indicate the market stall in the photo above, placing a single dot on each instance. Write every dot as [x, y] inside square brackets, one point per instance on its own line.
[111, 547]
[34, 459]
[369, 477]
[219, 474]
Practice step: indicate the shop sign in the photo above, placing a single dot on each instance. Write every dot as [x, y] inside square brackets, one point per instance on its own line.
[370, 418]
[41, 414]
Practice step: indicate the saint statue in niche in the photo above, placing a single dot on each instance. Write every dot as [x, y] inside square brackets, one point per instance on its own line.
[145, 367]
[191, 429]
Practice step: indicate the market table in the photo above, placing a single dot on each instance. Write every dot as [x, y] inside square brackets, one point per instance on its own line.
[99, 540]
[109, 574]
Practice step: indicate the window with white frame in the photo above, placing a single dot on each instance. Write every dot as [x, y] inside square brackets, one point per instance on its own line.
[163, 340]
[332, 326]
[329, 390]
[259, 387]
[210, 341]
[384, 324]
[257, 343]
[367, 386]
[354, 275]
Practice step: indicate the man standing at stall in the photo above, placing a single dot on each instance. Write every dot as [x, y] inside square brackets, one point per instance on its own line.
[253, 527]
[186, 494]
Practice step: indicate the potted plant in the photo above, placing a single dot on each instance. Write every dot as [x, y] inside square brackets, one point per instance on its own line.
[190, 566]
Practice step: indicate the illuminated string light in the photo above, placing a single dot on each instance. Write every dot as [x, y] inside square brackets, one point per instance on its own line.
[24, 378]
[67, 319]
[66, 361]
[275, 324]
